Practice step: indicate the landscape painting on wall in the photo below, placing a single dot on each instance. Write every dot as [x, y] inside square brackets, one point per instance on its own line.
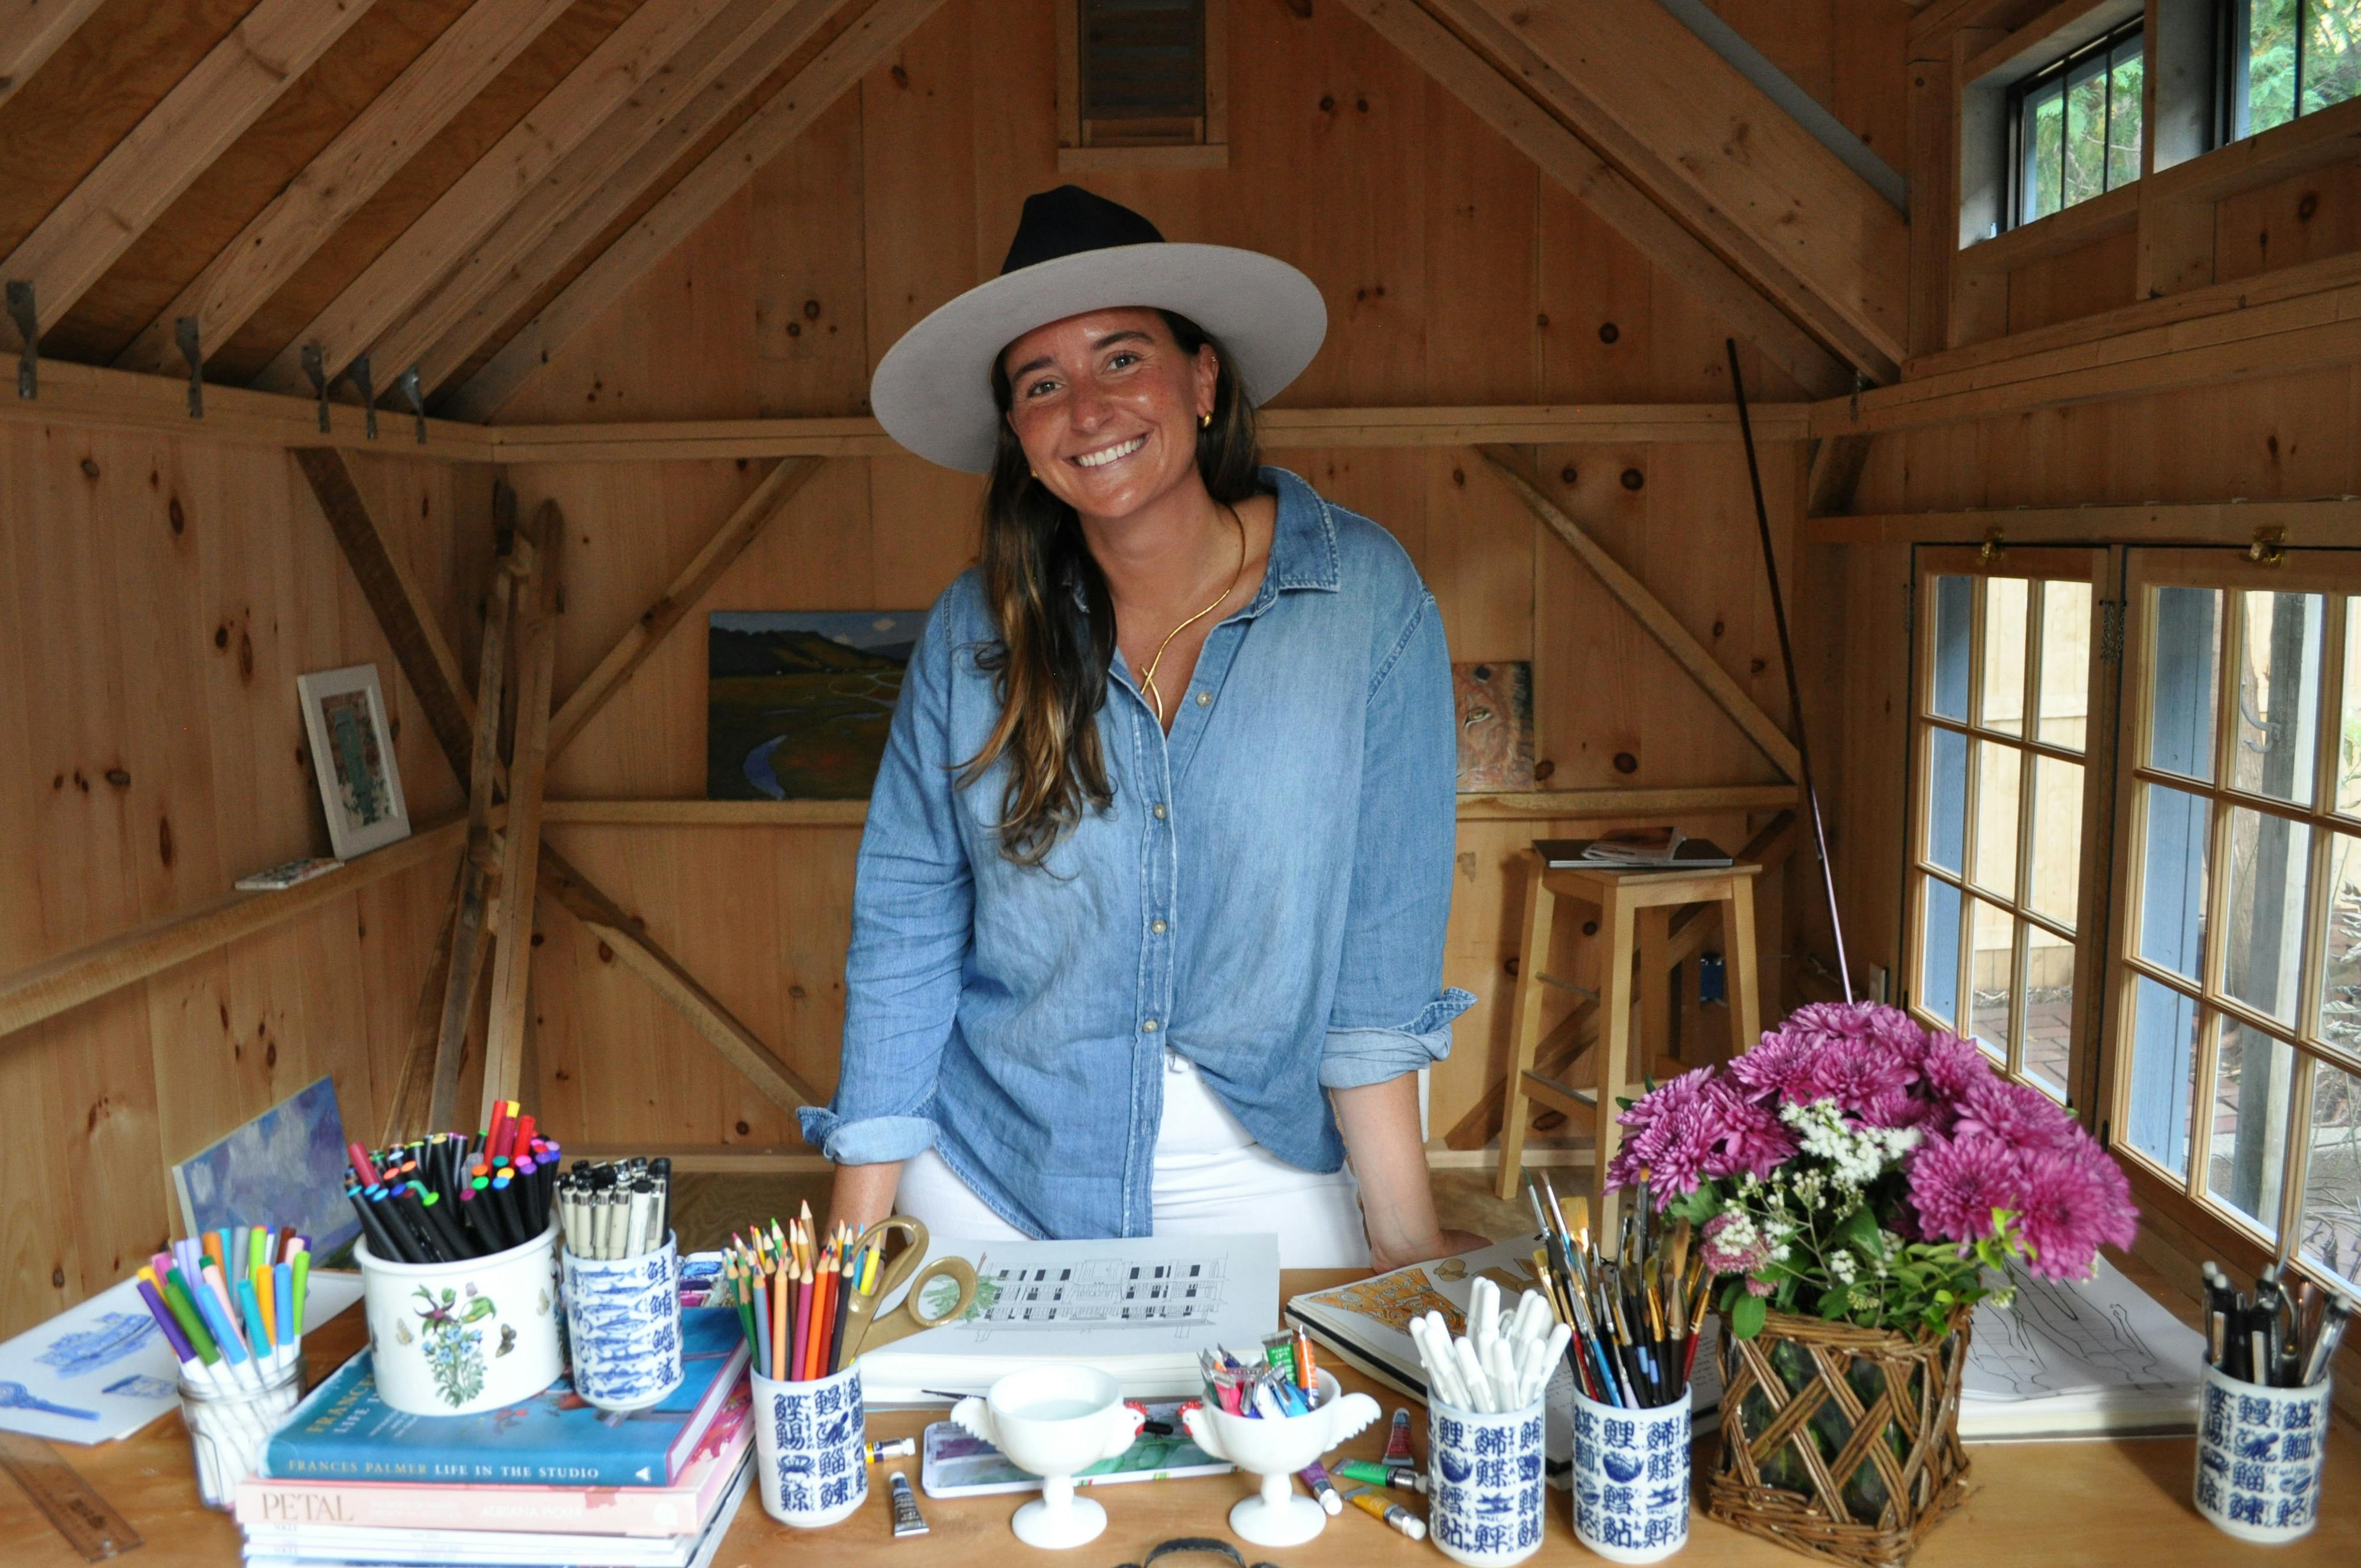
[797, 702]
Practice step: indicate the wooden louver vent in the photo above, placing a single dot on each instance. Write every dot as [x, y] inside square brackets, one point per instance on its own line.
[1143, 72]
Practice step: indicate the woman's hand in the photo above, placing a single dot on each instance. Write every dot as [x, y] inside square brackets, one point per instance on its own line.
[1380, 1122]
[1446, 1244]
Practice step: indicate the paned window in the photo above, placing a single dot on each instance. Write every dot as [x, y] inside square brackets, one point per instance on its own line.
[2001, 730]
[2236, 1077]
[2074, 126]
[2288, 58]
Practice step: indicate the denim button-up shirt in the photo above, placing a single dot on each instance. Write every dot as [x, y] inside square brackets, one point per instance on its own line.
[1266, 896]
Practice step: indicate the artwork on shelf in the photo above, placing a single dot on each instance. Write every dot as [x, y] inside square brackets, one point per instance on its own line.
[798, 702]
[1495, 704]
[287, 1166]
[352, 754]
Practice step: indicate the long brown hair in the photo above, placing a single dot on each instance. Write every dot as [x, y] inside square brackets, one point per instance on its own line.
[1050, 663]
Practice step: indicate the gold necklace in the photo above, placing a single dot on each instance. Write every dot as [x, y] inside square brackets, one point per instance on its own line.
[1148, 678]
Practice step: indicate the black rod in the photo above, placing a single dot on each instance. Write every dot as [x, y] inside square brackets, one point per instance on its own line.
[1787, 656]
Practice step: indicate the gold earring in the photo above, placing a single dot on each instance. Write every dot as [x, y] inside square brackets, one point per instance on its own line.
[1035, 471]
[1204, 422]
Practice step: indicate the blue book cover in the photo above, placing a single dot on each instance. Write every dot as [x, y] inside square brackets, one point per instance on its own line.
[342, 1431]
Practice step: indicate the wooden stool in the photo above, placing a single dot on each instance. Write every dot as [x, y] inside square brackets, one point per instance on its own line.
[1635, 914]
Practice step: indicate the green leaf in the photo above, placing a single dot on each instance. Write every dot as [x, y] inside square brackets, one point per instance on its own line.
[1859, 1230]
[1837, 1303]
[1747, 1318]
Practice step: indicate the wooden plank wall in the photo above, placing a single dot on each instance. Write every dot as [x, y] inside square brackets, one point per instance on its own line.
[161, 594]
[1453, 274]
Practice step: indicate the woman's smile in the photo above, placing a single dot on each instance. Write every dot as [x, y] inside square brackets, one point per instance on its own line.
[1106, 455]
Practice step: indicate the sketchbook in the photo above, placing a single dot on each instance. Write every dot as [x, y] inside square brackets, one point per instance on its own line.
[2072, 1358]
[1139, 1309]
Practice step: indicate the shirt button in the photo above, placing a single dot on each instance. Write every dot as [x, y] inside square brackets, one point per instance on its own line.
[1204, 700]
[1158, 927]
[1150, 1026]
[1159, 811]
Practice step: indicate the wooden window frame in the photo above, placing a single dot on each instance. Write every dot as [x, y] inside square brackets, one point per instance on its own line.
[2192, 1221]
[1211, 151]
[2096, 568]
[2068, 69]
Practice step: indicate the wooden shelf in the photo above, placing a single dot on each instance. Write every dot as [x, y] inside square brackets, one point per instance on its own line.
[73, 978]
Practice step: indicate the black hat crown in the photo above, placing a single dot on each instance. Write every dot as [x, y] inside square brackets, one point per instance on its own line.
[1069, 220]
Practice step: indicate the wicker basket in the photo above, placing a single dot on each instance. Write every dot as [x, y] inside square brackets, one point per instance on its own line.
[1840, 1443]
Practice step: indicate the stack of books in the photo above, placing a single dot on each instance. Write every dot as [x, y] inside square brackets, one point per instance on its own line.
[550, 1481]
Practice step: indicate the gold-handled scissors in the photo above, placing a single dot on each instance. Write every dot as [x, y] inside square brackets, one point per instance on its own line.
[864, 1329]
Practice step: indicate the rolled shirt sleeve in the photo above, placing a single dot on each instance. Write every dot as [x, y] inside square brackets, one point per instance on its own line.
[1391, 1013]
[912, 904]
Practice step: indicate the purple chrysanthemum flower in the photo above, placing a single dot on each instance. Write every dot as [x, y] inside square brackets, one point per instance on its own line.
[2016, 1114]
[1781, 1066]
[1955, 1183]
[1752, 1140]
[1857, 1073]
[1950, 1068]
[2074, 1200]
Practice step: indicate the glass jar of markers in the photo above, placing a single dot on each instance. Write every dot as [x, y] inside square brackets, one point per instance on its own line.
[230, 1425]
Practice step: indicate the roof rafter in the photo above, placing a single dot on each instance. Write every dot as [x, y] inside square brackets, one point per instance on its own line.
[715, 68]
[608, 77]
[1726, 163]
[366, 153]
[31, 31]
[227, 91]
[497, 301]
[720, 174]
[1501, 104]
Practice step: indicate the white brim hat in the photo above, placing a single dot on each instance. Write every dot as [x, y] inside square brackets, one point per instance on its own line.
[1076, 252]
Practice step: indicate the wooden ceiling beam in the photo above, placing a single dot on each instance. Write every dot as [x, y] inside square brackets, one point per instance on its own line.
[1714, 151]
[479, 302]
[1565, 159]
[31, 31]
[101, 218]
[683, 209]
[389, 131]
[606, 79]
[95, 395]
[1282, 428]
[711, 71]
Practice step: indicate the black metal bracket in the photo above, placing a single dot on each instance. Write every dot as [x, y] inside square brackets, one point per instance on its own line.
[408, 383]
[184, 332]
[316, 367]
[29, 328]
[358, 372]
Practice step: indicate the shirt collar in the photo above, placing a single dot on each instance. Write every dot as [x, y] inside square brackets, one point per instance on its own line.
[1302, 544]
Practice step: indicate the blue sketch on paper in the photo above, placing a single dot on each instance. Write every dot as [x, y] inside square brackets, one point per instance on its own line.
[139, 1386]
[284, 1167]
[115, 1336]
[17, 1397]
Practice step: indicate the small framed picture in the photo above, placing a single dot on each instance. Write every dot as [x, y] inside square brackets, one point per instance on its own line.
[352, 754]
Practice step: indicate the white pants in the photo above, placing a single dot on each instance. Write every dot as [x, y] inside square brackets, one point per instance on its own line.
[1212, 1179]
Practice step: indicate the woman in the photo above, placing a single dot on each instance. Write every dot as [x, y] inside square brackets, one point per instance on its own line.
[1148, 918]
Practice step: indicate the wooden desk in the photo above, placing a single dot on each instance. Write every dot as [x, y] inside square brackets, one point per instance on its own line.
[2097, 1503]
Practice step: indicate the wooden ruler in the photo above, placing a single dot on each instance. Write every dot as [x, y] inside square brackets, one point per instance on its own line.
[87, 1520]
